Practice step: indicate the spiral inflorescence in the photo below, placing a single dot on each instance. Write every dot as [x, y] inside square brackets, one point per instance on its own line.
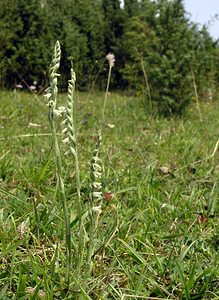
[52, 91]
[96, 172]
[68, 123]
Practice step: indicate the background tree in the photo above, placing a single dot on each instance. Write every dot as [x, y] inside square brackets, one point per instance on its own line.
[204, 62]
[25, 42]
[170, 72]
[140, 44]
[131, 7]
[88, 16]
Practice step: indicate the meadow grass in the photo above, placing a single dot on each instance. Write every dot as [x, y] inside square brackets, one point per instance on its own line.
[158, 231]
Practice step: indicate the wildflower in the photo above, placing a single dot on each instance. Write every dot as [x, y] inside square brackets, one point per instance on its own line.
[97, 209]
[97, 174]
[22, 229]
[66, 141]
[97, 195]
[97, 185]
[96, 167]
[58, 112]
[65, 130]
[48, 93]
[111, 59]
[32, 87]
[19, 86]
[111, 125]
[96, 160]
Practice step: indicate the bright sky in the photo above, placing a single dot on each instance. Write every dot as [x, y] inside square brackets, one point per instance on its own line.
[203, 11]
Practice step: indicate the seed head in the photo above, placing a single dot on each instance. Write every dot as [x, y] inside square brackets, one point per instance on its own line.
[111, 59]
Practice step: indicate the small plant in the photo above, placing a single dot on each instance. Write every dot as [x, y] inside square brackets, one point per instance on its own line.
[70, 140]
[96, 170]
[96, 198]
[51, 95]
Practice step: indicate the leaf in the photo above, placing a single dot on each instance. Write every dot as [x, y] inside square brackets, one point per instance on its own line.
[136, 255]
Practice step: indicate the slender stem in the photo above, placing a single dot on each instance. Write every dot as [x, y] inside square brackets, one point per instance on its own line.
[91, 242]
[62, 194]
[94, 82]
[51, 95]
[37, 218]
[95, 202]
[196, 96]
[94, 217]
[81, 239]
[106, 93]
[147, 84]
[71, 140]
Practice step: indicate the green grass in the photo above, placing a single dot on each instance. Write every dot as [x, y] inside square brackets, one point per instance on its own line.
[158, 233]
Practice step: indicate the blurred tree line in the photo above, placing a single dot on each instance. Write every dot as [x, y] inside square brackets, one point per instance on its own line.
[159, 51]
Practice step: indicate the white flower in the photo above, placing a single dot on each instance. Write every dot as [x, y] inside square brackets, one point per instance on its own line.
[96, 167]
[97, 185]
[97, 209]
[97, 195]
[58, 112]
[48, 96]
[65, 130]
[51, 103]
[97, 174]
[32, 87]
[111, 59]
[22, 229]
[96, 159]
[19, 86]
[65, 141]
[111, 125]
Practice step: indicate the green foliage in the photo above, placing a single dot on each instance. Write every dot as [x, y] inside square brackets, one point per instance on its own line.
[139, 42]
[170, 70]
[85, 39]
[131, 7]
[25, 42]
[205, 62]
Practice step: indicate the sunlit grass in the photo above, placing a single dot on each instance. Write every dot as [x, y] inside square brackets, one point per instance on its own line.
[159, 226]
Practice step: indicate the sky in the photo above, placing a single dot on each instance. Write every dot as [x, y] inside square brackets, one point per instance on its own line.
[203, 11]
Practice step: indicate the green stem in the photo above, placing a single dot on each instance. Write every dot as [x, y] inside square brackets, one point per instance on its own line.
[91, 242]
[106, 93]
[62, 194]
[79, 208]
[196, 96]
[146, 82]
[73, 150]
[95, 205]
